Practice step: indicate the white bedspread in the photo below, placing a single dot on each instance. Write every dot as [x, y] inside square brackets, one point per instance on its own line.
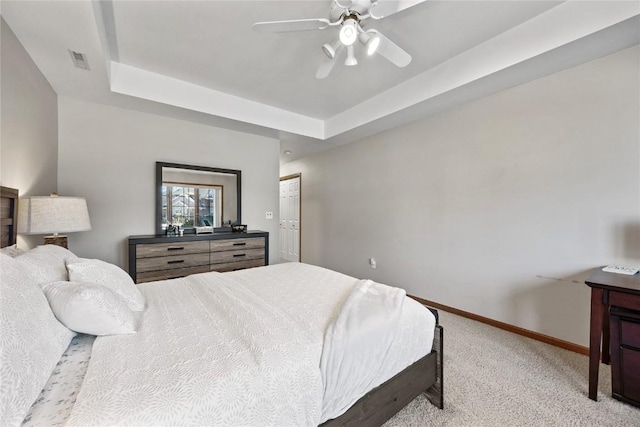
[231, 349]
[356, 344]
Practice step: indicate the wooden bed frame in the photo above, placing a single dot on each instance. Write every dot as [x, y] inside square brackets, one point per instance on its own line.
[374, 408]
[384, 401]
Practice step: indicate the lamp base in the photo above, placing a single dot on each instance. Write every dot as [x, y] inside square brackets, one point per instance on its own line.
[56, 240]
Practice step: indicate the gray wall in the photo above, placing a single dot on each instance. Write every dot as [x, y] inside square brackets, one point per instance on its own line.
[29, 126]
[108, 154]
[499, 207]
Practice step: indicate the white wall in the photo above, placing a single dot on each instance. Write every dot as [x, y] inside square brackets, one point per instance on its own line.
[499, 207]
[108, 154]
[29, 126]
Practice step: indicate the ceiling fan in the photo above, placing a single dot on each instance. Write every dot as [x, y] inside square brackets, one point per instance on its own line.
[350, 16]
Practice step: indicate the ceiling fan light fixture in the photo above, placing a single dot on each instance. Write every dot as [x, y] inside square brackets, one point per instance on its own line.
[371, 42]
[349, 32]
[346, 17]
[328, 50]
[351, 57]
[331, 49]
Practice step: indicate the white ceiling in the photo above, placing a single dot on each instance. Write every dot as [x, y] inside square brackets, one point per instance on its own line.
[201, 61]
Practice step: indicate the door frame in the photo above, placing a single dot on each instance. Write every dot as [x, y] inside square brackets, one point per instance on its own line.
[299, 176]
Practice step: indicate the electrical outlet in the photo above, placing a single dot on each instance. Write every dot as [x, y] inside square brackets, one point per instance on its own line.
[373, 262]
[269, 215]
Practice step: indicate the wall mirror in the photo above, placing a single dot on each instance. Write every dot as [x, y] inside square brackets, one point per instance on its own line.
[196, 196]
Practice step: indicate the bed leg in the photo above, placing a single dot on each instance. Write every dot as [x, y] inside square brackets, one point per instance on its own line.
[435, 393]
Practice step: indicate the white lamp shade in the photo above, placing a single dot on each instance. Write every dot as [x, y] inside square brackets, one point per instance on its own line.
[349, 32]
[52, 214]
[351, 57]
[331, 49]
[371, 40]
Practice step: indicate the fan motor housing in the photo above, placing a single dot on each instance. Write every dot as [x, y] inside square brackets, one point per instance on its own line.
[359, 7]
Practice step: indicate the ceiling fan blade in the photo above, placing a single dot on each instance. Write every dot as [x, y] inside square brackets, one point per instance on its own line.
[293, 25]
[392, 52]
[325, 68]
[343, 4]
[383, 8]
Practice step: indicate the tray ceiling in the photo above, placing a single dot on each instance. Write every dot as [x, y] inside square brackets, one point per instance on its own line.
[201, 60]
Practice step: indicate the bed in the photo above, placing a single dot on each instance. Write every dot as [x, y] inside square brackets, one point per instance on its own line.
[275, 345]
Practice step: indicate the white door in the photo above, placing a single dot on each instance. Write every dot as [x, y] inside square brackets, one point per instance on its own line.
[290, 219]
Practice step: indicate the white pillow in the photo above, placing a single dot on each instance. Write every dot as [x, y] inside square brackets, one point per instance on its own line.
[108, 275]
[90, 308]
[47, 263]
[13, 251]
[32, 341]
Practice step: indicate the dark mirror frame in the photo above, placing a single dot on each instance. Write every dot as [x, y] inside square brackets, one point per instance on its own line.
[161, 165]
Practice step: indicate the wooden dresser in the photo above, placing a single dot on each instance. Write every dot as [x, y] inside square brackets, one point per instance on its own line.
[161, 257]
[615, 320]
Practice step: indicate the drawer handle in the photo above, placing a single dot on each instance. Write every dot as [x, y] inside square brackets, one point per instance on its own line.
[239, 244]
[239, 255]
[178, 261]
[180, 248]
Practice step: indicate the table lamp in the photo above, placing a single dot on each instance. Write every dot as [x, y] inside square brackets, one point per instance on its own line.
[53, 214]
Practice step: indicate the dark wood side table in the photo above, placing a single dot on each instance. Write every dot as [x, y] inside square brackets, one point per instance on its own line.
[607, 289]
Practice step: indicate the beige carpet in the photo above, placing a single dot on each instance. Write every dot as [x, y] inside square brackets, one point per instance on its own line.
[496, 378]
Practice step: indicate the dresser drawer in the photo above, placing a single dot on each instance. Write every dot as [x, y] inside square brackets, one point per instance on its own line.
[630, 334]
[237, 255]
[630, 361]
[150, 276]
[619, 299]
[233, 244]
[240, 265]
[172, 262]
[178, 248]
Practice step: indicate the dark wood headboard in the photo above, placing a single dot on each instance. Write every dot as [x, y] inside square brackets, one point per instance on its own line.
[8, 215]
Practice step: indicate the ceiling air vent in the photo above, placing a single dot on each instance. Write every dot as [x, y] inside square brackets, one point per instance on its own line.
[79, 60]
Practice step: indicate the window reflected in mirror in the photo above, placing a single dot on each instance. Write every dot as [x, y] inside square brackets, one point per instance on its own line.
[192, 206]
